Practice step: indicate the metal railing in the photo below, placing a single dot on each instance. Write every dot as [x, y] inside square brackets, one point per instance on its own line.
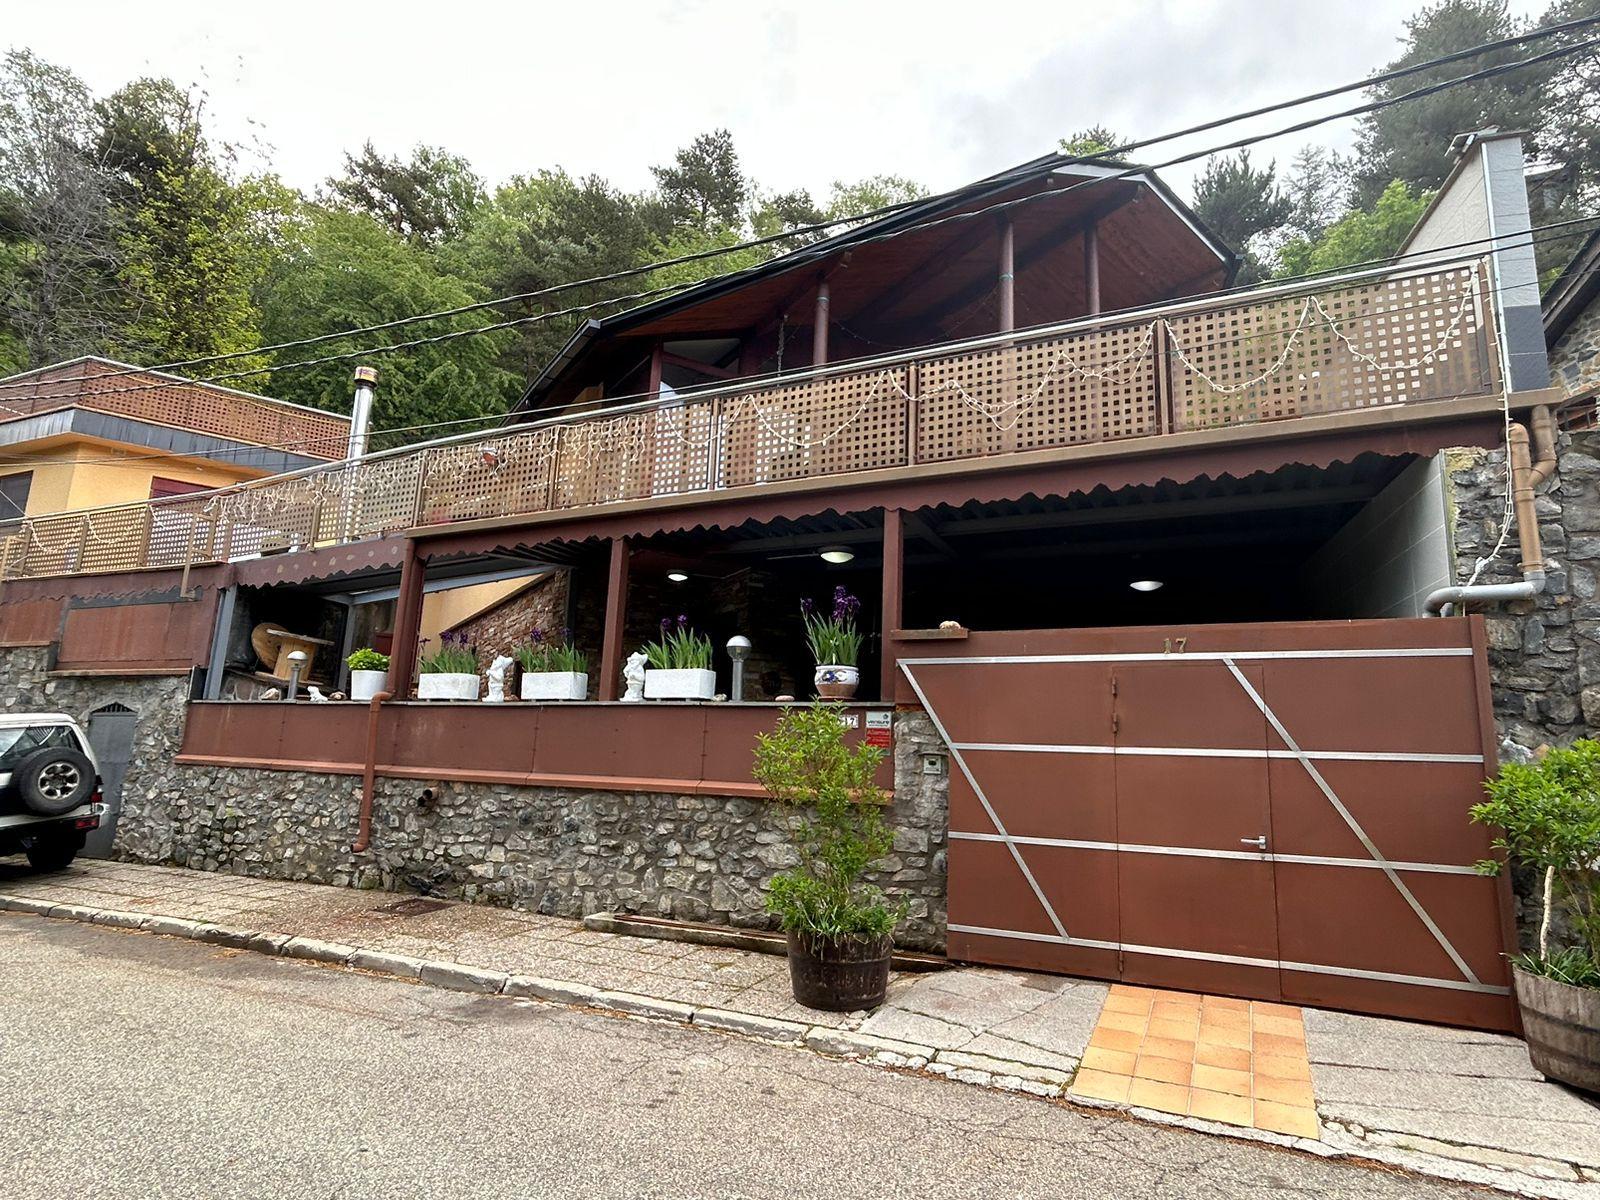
[1364, 341]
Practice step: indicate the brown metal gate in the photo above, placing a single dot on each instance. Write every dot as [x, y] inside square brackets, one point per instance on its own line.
[1274, 810]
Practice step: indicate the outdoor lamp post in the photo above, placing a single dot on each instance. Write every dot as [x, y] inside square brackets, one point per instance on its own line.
[738, 651]
[297, 664]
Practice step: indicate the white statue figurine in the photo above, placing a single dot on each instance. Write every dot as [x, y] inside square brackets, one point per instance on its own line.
[497, 680]
[633, 676]
[314, 694]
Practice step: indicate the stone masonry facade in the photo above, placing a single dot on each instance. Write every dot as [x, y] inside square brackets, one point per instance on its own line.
[1544, 654]
[556, 851]
[1575, 358]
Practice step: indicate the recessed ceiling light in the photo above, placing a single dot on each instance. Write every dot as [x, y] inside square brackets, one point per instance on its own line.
[1146, 585]
[677, 577]
[837, 554]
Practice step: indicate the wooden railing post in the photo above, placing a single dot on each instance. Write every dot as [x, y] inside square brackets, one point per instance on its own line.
[1160, 352]
[912, 405]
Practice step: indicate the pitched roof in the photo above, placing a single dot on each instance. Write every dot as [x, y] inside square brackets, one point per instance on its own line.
[932, 207]
[1574, 289]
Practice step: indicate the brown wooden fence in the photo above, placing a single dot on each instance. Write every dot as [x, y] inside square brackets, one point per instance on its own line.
[1254, 357]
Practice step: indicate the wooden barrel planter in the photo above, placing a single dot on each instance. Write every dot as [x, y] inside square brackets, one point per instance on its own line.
[839, 975]
[1562, 1026]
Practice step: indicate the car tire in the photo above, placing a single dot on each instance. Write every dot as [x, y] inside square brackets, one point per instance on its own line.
[53, 850]
[54, 781]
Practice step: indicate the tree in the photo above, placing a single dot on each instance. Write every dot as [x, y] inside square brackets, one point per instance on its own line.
[541, 230]
[59, 249]
[1241, 204]
[194, 243]
[704, 186]
[427, 200]
[1411, 142]
[344, 270]
[1095, 142]
[1359, 236]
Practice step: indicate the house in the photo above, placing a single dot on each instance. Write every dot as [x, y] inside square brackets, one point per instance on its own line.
[94, 432]
[1191, 626]
[1572, 322]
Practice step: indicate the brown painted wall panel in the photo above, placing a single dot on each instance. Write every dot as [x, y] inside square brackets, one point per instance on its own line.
[655, 747]
[33, 621]
[155, 636]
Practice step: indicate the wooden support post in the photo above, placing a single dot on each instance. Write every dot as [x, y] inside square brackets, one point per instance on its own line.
[819, 327]
[894, 565]
[1166, 396]
[616, 620]
[1008, 281]
[652, 386]
[407, 622]
[1091, 268]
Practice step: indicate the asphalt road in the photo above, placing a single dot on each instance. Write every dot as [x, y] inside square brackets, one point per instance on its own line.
[137, 1066]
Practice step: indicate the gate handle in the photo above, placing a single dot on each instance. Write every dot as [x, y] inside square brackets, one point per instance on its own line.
[1260, 843]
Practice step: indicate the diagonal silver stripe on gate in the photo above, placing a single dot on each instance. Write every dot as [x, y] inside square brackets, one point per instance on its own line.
[977, 790]
[1349, 819]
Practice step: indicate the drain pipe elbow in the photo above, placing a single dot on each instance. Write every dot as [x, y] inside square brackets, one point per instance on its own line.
[1525, 475]
[369, 772]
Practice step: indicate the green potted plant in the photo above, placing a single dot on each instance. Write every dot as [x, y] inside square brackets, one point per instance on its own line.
[369, 673]
[450, 672]
[840, 928]
[1547, 814]
[835, 645]
[680, 664]
[552, 668]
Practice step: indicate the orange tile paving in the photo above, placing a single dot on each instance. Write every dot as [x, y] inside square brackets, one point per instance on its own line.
[1240, 1062]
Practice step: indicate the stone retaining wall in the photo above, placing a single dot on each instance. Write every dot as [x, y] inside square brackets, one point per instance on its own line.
[551, 850]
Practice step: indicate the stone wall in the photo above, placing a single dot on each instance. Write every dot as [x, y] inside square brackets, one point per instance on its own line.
[550, 850]
[1575, 358]
[502, 627]
[1544, 654]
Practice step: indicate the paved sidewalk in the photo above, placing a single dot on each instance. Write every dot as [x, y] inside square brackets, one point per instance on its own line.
[1456, 1104]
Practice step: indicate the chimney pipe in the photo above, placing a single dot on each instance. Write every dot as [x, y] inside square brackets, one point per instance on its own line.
[366, 381]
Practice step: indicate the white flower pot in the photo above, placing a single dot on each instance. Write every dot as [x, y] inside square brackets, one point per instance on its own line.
[836, 682]
[690, 684]
[555, 685]
[447, 685]
[364, 685]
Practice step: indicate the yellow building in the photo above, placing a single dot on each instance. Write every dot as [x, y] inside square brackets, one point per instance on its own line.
[93, 432]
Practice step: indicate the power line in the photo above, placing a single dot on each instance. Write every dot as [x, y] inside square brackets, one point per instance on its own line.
[900, 206]
[812, 253]
[1535, 235]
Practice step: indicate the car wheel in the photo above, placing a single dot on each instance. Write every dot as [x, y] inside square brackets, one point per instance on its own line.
[53, 850]
[54, 781]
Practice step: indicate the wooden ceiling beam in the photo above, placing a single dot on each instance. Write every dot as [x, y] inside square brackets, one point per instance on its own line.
[1029, 254]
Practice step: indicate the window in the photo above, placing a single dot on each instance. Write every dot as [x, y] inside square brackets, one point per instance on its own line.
[14, 491]
[20, 741]
[160, 487]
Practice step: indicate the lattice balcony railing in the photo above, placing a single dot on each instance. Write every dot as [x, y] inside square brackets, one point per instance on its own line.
[108, 387]
[1273, 355]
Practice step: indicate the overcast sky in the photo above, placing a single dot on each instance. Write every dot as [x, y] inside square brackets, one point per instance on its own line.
[943, 92]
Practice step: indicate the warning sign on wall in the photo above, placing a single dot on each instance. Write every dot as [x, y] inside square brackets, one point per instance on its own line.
[878, 727]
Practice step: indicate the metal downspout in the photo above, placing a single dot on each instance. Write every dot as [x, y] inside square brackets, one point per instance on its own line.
[1525, 476]
[369, 772]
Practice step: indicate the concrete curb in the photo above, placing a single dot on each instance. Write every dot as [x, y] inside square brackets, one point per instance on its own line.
[978, 1070]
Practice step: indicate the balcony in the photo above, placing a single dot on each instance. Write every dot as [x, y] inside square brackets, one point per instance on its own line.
[1364, 342]
[104, 386]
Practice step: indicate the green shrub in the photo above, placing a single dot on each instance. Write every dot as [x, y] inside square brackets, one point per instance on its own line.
[679, 648]
[834, 639]
[453, 657]
[541, 654]
[368, 660]
[1548, 817]
[805, 764]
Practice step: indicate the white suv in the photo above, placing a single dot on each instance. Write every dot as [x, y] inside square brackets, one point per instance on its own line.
[49, 788]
